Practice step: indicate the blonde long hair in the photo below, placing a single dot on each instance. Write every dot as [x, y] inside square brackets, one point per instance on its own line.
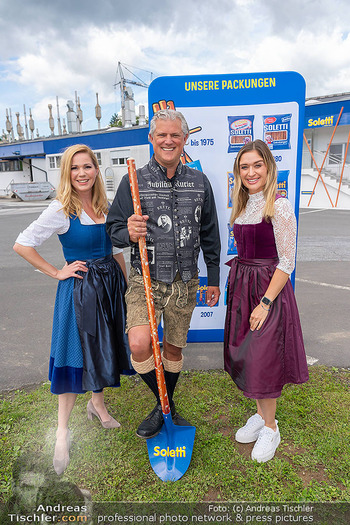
[67, 195]
[240, 193]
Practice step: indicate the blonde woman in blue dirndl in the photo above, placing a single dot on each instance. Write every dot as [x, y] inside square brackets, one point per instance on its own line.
[89, 348]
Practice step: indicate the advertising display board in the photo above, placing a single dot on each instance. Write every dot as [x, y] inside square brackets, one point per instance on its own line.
[223, 113]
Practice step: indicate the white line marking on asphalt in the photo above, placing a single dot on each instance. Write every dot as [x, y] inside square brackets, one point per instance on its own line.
[311, 360]
[21, 211]
[323, 284]
[312, 211]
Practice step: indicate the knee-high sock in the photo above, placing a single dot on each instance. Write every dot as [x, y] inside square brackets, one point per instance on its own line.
[146, 370]
[172, 371]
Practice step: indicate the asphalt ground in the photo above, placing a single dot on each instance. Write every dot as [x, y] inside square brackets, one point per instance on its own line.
[27, 297]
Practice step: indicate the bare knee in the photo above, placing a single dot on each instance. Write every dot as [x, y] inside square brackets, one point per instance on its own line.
[140, 343]
[171, 352]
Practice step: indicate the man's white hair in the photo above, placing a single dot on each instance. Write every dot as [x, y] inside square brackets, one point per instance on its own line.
[169, 114]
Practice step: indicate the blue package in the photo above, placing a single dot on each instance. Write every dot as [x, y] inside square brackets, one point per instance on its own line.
[232, 245]
[226, 292]
[277, 131]
[202, 292]
[282, 182]
[195, 164]
[240, 132]
[230, 183]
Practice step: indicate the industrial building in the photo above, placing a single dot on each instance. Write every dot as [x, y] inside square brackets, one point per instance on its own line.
[38, 160]
[325, 179]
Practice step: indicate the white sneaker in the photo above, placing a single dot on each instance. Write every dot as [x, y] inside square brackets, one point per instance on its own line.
[266, 445]
[251, 429]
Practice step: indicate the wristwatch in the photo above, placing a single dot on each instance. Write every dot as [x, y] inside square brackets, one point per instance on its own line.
[266, 301]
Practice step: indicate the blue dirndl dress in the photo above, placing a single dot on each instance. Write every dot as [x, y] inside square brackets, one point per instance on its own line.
[89, 347]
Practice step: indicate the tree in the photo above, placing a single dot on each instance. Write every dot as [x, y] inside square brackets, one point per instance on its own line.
[116, 121]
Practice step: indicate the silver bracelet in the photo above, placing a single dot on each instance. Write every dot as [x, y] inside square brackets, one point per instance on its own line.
[267, 309]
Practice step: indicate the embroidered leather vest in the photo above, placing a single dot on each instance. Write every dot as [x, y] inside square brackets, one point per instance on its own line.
[174, 207]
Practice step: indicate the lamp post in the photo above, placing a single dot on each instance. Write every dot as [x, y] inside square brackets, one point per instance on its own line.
[31, 124]
[58, 118]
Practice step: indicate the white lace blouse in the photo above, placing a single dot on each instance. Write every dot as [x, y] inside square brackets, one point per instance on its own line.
[51, 221]
[284, 227]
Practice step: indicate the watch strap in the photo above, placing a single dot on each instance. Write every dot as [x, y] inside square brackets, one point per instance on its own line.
[265, 300]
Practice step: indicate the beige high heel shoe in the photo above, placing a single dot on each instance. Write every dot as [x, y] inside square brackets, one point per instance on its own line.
[91, 411]
[60, 465]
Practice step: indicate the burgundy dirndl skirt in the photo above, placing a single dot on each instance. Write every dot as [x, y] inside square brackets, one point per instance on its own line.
[261, 362]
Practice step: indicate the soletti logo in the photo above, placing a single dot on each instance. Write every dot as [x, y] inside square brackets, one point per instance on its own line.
[326, 121]
[242, 123]
[178, 452]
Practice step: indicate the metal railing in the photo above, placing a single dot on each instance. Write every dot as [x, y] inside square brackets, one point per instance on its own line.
[334, 169]
[7, 190]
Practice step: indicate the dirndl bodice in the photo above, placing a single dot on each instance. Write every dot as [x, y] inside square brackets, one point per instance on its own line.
[82, 242]
[255, 241]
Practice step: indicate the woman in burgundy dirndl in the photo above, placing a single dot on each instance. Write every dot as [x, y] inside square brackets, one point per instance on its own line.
[263, 347]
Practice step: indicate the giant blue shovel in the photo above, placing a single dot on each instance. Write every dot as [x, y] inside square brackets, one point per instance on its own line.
[170, 451]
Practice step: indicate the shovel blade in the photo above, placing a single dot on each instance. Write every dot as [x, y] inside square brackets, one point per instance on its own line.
[170, 451]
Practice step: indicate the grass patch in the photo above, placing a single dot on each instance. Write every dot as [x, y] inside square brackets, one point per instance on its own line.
[311, 464]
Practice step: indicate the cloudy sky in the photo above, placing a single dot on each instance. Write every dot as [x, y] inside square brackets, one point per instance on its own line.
[52, 48]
